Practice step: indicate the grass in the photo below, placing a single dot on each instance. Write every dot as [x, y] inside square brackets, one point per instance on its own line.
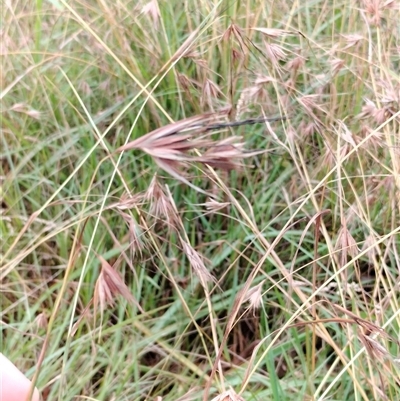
[122, 282]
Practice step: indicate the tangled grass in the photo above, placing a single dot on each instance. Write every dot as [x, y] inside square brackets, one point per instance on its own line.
[155, 249]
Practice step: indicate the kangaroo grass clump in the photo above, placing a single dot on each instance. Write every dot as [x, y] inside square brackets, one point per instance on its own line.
[201, 200]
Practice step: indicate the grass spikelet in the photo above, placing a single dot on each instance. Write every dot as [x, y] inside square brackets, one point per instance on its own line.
[197, 263]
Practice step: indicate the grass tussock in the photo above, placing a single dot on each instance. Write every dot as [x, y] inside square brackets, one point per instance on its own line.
[201, 201]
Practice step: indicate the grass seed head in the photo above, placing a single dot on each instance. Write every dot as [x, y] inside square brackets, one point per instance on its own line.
[210, 92]
[151, 9]
[374, 348]
[229, 395]
[346, 243]
[235, 32]
[275, 53]
[272, 33]
[175, 145]
[160, 204]
[212, 205]
[352, 40]
[254, 296]
[27, 110]
[109, 284]
[135, 233]
[197, 263]
[295, 63]
[337, 65]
